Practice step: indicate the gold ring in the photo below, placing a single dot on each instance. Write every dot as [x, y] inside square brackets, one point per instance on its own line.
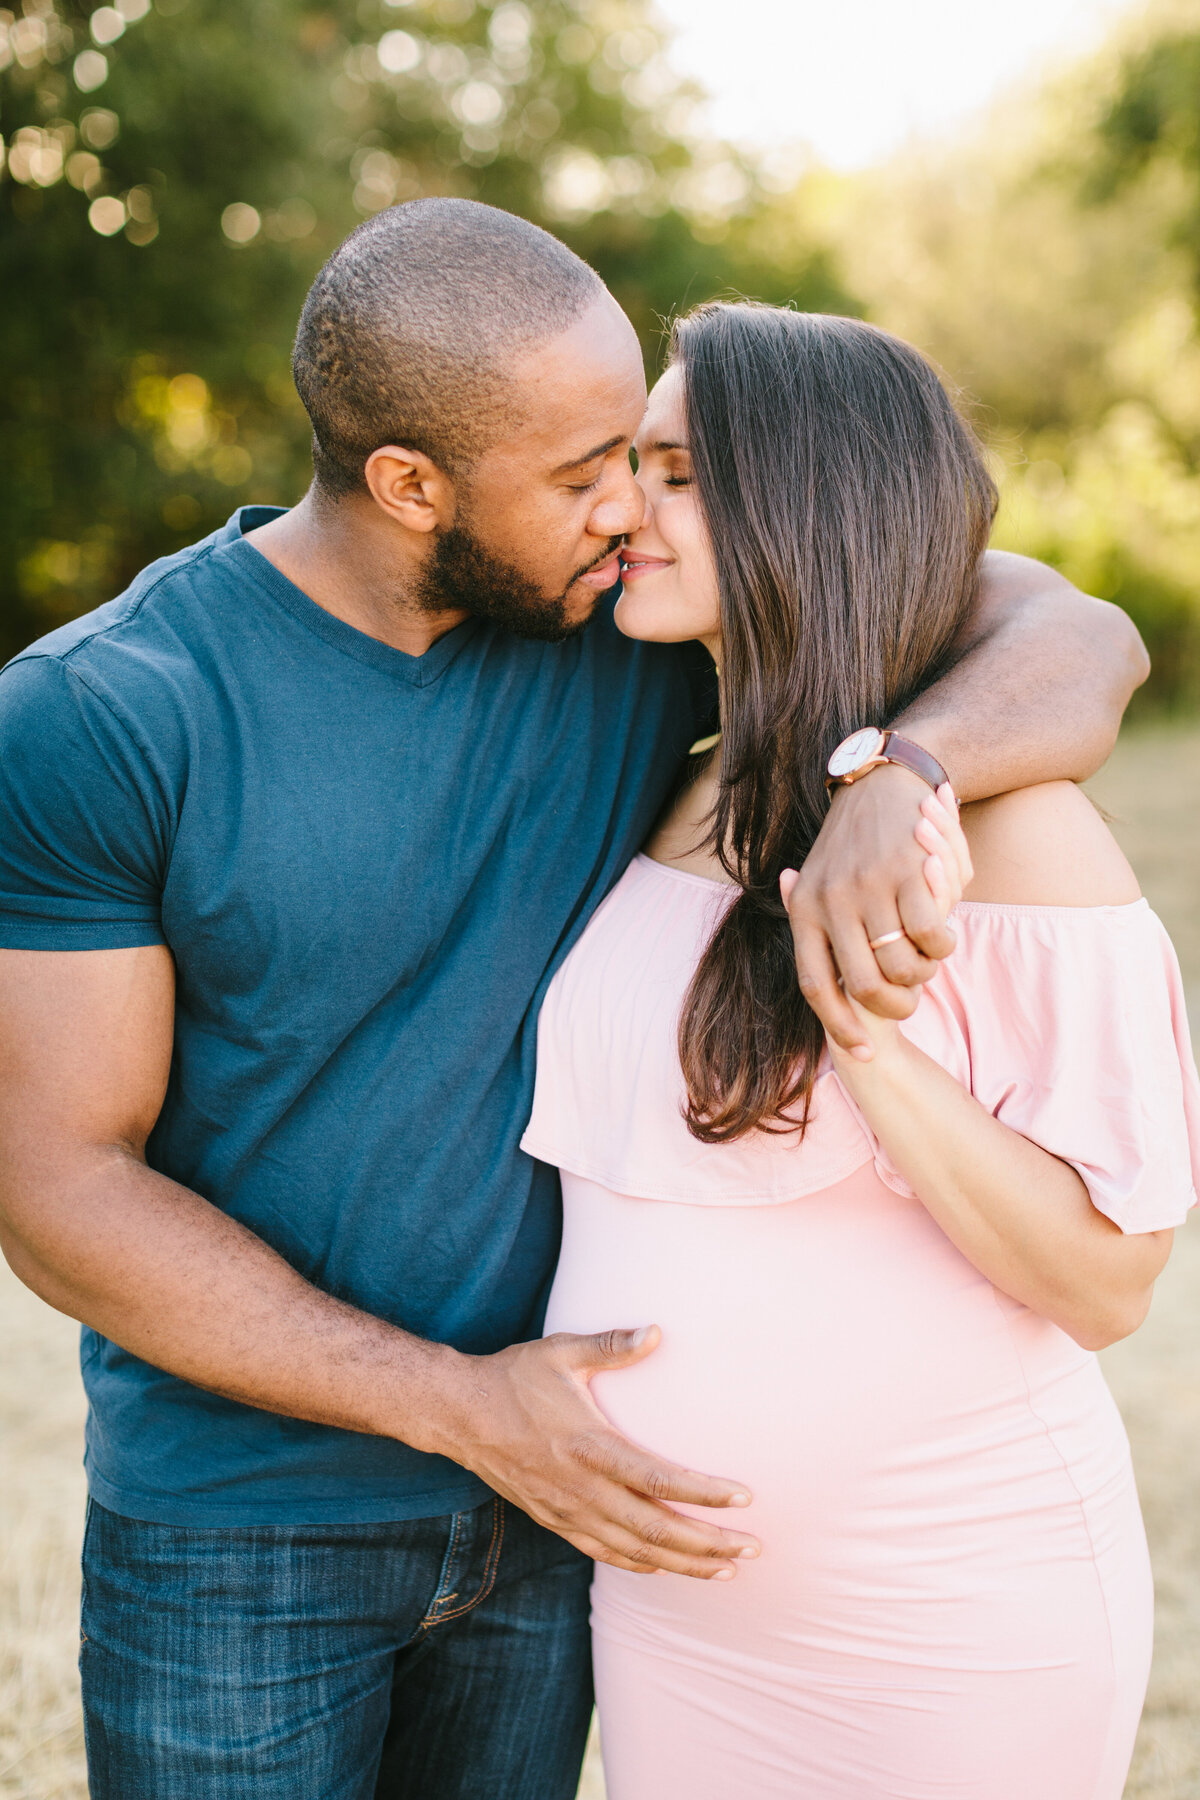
[889, 937]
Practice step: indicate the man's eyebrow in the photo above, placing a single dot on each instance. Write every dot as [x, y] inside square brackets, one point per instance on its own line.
[577, 462]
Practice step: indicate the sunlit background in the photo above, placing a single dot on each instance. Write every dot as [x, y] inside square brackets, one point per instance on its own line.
[1014, 187]
[856, 81]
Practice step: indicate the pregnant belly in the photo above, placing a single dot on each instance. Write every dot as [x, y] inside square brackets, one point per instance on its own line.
[887, 1408]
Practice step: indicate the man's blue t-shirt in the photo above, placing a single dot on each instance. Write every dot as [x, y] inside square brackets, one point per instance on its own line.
[366, 866]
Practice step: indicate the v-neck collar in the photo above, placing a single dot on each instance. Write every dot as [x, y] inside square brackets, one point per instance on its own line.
[417, 671]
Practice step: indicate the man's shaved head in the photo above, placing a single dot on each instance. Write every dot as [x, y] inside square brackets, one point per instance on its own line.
[408, 330]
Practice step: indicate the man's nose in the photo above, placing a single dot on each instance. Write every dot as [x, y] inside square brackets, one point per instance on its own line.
[621, 512]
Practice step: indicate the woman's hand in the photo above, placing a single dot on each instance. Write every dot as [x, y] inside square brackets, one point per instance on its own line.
[948, 873]
[939, 831]
[885, 1040]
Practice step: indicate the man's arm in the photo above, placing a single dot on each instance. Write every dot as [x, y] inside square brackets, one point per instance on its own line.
[1037, 694]
[85, 1047]
[1041, 684]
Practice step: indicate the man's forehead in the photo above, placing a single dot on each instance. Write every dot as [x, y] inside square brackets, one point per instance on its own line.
[578, 406]
[598, 348]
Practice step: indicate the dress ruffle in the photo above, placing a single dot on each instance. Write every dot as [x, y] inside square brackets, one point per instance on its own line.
[1067, 1023]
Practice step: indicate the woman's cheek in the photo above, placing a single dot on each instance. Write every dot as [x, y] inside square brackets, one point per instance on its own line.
[665, 617]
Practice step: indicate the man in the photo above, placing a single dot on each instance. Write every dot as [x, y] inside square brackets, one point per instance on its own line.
[294, 833]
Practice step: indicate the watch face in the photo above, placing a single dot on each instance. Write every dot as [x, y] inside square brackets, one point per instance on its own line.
[856, 750]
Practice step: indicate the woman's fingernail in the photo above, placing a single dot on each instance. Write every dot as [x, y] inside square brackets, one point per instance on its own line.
[739, 1499]
[747, 1551]
[723, 1575]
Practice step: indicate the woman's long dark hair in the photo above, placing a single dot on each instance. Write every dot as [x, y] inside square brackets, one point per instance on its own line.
[847, 505]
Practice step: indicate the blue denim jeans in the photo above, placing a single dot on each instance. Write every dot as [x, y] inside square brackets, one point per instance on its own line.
[438, 1659]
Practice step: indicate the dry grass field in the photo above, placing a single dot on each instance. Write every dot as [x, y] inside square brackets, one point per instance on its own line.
[1151, 789]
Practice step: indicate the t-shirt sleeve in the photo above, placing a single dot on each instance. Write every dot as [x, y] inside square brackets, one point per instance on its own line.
[84, 821]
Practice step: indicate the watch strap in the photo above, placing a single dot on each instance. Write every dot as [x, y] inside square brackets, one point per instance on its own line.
[902, 750]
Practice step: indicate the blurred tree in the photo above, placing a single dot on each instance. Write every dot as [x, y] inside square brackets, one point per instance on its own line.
[1049, 260]
[175, 177]
[1149, 121]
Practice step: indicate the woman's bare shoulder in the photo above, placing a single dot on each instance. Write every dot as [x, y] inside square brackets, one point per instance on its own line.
[1045, 846]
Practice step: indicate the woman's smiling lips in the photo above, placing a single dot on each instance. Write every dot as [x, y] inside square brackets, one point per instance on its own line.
[634, 564]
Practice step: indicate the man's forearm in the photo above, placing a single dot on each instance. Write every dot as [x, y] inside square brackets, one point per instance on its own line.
[174, 1281]
[169, 1277]
[1039, 690]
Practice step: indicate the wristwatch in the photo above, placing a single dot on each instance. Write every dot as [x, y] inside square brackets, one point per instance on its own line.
[870, 748]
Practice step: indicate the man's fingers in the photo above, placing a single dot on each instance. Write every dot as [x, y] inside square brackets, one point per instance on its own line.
[923, 921]
[661, 1529]
[901, 962]
[613, 1456]
[623, 1553]
[862, 976]
[596, 1550]
[641, 1554]
[818, 977]
[647, 1533]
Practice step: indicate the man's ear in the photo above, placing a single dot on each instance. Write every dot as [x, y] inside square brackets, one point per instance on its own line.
[410, 488]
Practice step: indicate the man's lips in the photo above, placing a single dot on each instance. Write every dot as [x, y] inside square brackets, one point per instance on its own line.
[605, 575]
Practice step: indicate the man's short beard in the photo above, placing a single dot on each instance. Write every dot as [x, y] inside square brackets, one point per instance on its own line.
[463, 575]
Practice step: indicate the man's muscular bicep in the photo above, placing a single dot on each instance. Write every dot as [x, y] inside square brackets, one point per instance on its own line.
[1038, 686]
[1013, 587]
[85, 1050]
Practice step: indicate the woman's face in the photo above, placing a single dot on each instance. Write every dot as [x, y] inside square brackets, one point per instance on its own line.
[667, 568]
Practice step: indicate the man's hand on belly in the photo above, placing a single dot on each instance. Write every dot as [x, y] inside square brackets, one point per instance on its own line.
[524, 1420]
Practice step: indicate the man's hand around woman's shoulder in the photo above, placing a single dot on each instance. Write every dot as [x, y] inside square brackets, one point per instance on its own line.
[890, 858]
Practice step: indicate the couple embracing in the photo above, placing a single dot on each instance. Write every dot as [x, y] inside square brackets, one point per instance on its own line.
[530, 1084]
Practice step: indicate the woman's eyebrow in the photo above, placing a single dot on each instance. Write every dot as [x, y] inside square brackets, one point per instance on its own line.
[663, 444]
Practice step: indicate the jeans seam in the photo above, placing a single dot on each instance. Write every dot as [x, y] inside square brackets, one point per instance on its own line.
[445, 1577]
[83, 1581]
[490, 1566]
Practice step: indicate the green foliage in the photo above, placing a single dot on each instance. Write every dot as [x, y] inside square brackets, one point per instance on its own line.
[177, 172]
[1152, 113]
[1049, 262]
[175, 178]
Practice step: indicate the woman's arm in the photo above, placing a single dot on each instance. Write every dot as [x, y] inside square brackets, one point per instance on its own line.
[1023, 1217]
[1019, 1214]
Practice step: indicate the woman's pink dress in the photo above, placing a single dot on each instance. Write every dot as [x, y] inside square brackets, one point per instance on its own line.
[953, 1600]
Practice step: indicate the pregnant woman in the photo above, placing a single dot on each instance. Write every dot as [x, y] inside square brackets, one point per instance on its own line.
[879, 1283]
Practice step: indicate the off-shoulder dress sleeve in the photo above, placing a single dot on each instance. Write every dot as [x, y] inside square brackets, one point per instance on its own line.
[1069, 1025]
